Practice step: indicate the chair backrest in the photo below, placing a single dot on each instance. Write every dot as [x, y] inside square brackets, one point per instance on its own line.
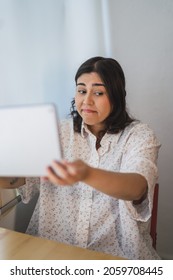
[153, 228]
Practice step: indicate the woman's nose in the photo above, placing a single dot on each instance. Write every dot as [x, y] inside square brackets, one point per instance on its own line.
[88, 99]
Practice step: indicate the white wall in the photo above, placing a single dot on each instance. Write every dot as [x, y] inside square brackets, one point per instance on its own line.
[142, 39]
[30, 51]
[41, 45]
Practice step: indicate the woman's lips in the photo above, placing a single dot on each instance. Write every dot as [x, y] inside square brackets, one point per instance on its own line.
[88, 111]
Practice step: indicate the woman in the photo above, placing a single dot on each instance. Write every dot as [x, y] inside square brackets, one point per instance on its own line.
[100, 196]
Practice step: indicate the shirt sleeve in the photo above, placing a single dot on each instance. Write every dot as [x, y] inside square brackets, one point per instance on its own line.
[140, 156]
[30, 188]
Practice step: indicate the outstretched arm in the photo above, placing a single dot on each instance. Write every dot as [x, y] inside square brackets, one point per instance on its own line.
[126, 186]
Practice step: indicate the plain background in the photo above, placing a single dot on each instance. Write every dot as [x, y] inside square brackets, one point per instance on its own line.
[43, 42]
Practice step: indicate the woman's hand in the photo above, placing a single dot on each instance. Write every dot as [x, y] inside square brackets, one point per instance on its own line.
[67, 173]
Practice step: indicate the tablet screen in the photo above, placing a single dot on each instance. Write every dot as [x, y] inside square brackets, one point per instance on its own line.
[29, 140]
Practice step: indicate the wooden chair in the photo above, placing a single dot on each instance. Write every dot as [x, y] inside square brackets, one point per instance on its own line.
[153, 228]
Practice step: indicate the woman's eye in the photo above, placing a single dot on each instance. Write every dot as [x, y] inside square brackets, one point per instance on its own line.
[98, 93]
[82, 91]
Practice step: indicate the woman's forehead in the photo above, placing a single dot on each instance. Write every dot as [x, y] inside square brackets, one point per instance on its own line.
[90, 77]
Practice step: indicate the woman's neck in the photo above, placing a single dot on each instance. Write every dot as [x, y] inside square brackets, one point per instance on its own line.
[99, 132]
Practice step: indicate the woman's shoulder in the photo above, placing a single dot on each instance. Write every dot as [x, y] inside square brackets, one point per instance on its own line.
[66, 124]
[138, 126]
[140, 130]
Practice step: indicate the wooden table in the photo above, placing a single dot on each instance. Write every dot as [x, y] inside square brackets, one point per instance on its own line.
[20, 246]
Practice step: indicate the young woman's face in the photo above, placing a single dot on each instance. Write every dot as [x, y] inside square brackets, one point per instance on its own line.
[92, 102]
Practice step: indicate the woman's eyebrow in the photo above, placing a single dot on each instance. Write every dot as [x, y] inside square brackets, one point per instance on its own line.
[80, 84]
[95, 84]
[98, 84]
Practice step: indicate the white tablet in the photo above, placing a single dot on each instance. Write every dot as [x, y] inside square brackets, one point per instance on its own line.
[29, 140]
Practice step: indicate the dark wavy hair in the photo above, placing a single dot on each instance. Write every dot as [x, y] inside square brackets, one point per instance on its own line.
[113, 77]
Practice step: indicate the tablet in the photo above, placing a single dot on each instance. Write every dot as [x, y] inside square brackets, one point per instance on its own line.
[29, 140]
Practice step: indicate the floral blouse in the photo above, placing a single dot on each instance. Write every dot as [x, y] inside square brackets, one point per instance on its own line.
[82, 216]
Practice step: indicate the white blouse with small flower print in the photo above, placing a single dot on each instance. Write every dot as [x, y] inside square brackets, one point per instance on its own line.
[82, 216]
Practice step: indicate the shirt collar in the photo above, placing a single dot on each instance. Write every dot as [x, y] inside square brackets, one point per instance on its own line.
[85, 132]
